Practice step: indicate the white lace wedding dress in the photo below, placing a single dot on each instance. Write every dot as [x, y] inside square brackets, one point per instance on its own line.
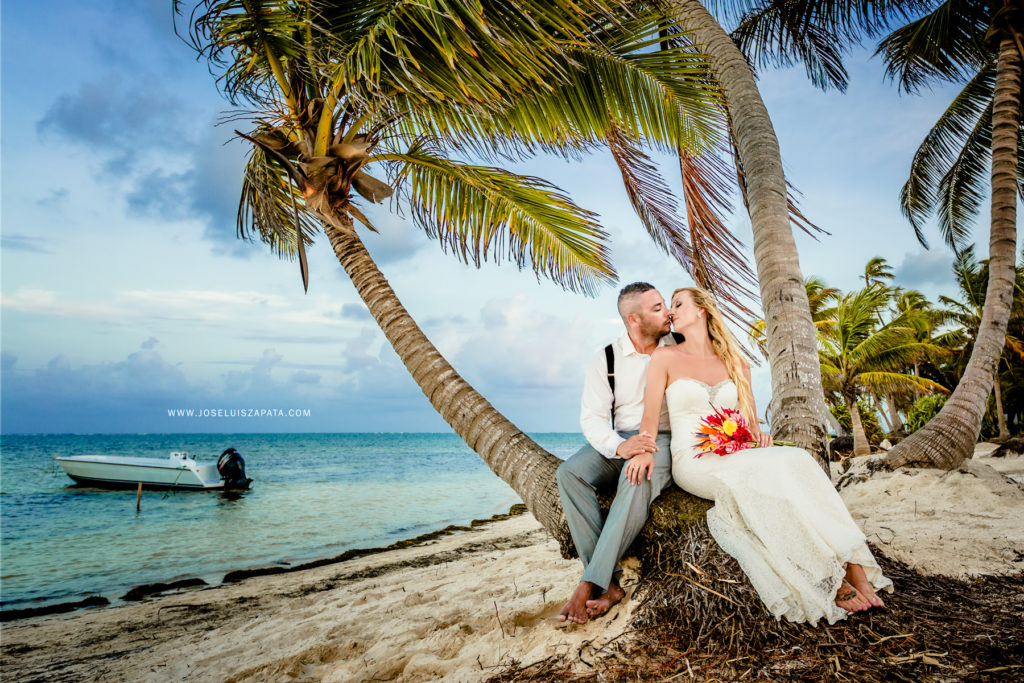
[775, 511]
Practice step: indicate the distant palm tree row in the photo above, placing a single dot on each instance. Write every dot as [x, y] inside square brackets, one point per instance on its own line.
[894, 351]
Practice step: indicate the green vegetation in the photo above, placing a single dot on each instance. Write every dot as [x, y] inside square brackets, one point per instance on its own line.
[868, 417]
[924, 409]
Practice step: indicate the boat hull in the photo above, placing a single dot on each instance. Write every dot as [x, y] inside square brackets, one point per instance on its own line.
[114, 472]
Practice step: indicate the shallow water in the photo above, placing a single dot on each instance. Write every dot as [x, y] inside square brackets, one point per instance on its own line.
[313, 496]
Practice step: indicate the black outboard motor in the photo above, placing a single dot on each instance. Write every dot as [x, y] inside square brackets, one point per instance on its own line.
[231, 467]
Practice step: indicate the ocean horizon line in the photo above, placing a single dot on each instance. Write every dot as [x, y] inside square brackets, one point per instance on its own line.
[395, 433]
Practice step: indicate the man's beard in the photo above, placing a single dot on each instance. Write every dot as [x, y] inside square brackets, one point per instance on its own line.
[658, 331]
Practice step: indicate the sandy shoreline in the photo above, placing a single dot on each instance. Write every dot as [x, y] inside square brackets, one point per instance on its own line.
[462, 606]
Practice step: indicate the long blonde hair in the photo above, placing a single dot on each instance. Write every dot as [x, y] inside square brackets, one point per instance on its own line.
[726, 348]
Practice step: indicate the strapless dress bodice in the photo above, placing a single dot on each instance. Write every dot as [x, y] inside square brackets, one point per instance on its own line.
[689, 402]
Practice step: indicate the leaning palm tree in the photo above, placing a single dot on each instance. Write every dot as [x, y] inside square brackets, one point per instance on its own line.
[980, 43]
[779, 33]
[344, 88]
[798, 404]
[859, 356]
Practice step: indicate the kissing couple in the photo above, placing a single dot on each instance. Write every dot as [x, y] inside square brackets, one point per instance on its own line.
[776, 511]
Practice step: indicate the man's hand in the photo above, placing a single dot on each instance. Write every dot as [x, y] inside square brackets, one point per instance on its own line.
[637, 467]
[638, 444]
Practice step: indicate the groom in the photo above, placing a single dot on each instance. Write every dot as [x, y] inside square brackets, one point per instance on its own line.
[614, 388]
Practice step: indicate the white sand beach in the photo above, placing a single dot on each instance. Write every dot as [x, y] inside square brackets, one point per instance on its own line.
[460, 607]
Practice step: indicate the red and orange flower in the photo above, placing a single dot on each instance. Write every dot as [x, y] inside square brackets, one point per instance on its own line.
[724, 431]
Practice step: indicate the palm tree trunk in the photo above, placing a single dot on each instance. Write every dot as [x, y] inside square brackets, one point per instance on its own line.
[860, 437]
[511, 454]
[949, 438]
[1004, 432]
[834, 423]
[876, 403]
[895, 421]
[798, 401]
[917, 373]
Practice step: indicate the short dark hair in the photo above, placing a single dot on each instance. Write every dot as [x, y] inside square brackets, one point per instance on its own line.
[631, 290]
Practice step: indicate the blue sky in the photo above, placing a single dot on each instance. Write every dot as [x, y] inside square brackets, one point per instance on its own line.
[125, 292]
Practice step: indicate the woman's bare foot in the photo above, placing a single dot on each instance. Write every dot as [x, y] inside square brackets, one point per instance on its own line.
[576, 609]
[606, 600]
[859, 580]
[849, 599]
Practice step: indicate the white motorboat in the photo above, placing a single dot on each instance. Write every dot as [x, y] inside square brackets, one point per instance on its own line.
[178, 471]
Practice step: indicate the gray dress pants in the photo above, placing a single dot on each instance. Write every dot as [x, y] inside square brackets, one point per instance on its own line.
[600, 541]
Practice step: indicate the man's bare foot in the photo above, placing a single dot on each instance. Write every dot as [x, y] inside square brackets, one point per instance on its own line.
[859, 580]
[849, 599]
[606, 600]
[576, 609]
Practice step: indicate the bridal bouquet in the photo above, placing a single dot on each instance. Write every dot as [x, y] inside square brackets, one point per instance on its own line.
[724, 431]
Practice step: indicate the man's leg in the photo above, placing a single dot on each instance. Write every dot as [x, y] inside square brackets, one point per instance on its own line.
[626, 518]
[578, 478]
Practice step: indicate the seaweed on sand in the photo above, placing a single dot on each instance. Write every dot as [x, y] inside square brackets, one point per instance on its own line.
[699, 619]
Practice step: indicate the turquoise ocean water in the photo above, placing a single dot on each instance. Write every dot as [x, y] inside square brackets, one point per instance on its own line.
[313, 496]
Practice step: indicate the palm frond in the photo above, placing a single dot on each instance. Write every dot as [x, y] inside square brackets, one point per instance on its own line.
[856, 319]
[964, 187]
[483, 213]
[851, 18]
[446, 50]
[717, 257]
[943, 146]
[971, 278]
[772, 35]
[703, 245]
[247, 44]
[758, 335]
[652, 199]
[660, 97]
[271, 207]
[663, 97]
[948, 44]
[897, 382]
[883, 348]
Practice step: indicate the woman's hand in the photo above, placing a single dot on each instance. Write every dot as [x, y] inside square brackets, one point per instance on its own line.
[637, 466]
[763, 440]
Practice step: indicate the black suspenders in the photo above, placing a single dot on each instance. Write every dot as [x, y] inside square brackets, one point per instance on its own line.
[609, 354]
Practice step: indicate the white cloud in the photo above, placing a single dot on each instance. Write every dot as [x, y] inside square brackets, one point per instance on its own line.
[50, 302]
[185, 298]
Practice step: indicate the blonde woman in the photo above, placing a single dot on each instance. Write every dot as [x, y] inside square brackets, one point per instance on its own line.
[775, 510]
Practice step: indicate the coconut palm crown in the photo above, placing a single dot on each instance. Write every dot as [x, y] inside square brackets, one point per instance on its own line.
[859, 356]
[342, 89]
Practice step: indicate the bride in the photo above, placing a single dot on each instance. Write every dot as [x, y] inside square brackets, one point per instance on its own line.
[775, 511]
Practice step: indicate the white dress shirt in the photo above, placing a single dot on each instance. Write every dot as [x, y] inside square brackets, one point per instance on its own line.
[630, 382]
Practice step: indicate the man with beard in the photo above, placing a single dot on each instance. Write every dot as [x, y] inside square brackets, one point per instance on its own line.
[614, 388]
